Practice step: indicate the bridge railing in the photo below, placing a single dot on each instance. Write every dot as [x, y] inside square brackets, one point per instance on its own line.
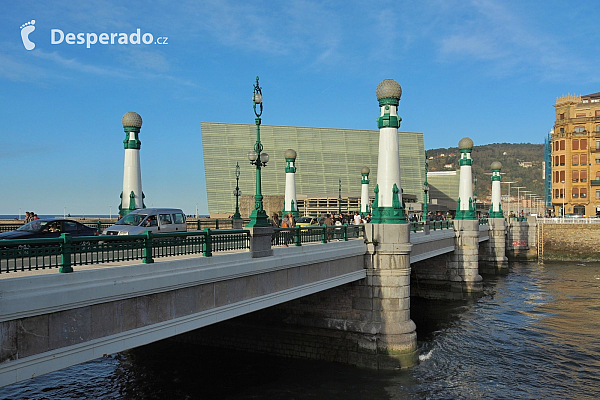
[315, 233]
[433, 225]
[67, 251]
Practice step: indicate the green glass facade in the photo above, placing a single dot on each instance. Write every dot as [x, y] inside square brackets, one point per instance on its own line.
[324, 155]
[443, 188]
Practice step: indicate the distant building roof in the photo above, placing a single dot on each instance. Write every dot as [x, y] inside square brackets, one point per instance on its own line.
[597, 94]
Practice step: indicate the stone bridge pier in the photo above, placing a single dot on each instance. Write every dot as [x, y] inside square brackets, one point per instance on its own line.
[492, 255]
[463, 267]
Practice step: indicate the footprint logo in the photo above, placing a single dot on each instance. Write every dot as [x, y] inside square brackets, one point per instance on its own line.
[26, 29]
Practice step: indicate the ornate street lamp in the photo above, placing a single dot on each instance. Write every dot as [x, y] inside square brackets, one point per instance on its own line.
[237, 192]
[258, 217]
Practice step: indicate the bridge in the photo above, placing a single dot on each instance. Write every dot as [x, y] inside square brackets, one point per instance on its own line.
[54, 320]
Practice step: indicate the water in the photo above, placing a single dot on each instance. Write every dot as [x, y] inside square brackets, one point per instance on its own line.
[532, 335]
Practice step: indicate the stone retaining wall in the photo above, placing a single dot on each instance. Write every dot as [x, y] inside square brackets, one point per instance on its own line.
[579, 242]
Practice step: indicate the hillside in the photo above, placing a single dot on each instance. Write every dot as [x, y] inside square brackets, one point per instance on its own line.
[521, 163]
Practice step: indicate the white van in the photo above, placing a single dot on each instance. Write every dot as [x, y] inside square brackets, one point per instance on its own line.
[155, 220]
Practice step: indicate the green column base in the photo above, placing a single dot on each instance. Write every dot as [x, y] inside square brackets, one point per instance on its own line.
[496, 214]
[465, 214]
[258, 218]
[388, 215]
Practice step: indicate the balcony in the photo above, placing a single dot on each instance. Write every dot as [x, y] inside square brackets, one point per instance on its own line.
[595, 182]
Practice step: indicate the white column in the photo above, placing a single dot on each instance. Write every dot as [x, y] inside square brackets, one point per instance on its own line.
[290, 191]
[290, 202]
[388, 164]
[364, 194]
[132, 177]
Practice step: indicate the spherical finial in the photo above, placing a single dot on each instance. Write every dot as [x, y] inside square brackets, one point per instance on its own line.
[388, 88]
[132, 119]
[465, 143]
[290, 154]
[365, 170]
[496, 165]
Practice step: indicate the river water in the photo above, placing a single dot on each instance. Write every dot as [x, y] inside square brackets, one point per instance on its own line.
[534, 334]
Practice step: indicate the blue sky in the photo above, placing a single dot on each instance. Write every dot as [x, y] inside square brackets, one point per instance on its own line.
[490, 70]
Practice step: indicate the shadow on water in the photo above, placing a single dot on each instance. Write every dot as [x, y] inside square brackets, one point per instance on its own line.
[171, 370]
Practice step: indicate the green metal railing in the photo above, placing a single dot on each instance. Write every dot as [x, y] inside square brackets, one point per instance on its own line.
[483, 221]
[433, 225]
[68, 251]
[315, 233]
[226, 223]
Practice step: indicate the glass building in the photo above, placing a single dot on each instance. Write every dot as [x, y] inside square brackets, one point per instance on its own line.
[324, 156]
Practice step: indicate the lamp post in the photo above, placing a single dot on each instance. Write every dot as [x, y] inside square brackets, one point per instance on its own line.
[237, 193]
[425, 190]
[508, 208]
[258, 217]
[531, 196]
[475, 195]
[518, 198]
[524, 198]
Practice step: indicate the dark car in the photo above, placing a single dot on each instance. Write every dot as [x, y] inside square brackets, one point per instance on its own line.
[49, 228]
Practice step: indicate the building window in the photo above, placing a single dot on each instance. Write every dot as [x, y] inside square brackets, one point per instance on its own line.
[583, 193]
[583, 176]
[597, 160]
[562, 160]
[580, 115]
[575, 193]
[575, 159]
[597, 127]
[583, 159]
[575, 144]
[579, 129]
[562, 176]
[598, 193]
[583, 144]
[575, 176]
[597, 113]
[562, 116]
[562, 130]
[562, 144]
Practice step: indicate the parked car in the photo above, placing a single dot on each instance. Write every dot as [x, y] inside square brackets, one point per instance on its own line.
[306, 221]
[156, 220]
[49, 228]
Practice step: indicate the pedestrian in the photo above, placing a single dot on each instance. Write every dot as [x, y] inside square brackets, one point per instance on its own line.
[288, 222]
[356, 218]
[275, 220]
